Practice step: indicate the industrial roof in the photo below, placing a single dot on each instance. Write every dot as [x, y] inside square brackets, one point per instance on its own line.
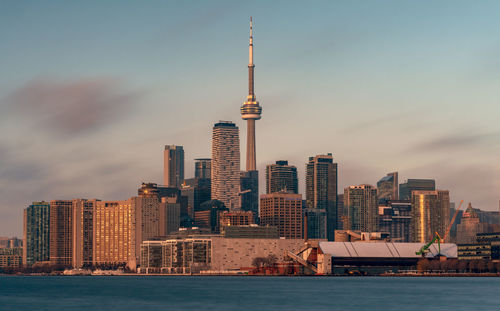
[384, 249]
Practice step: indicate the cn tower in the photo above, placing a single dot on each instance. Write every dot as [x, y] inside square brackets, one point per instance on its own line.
[251, 110]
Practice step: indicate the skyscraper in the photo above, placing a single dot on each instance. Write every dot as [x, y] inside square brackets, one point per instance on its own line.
[283, 210]
[36, 240]
[61, 232]
[281, 177]
[202, 168]
[410, 185]
[361, 208]
[430, 214]
[249, 191]
[388, 187]
[173, 166]
[83, 243]
[226, 164]
[321, 189]
[251, 111]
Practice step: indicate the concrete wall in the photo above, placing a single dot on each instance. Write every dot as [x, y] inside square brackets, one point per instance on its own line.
[230, 254]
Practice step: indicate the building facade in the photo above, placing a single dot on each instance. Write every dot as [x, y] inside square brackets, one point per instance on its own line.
[410, 185]
[395, 218]
[283, 210]
[314, 223]
[321, 189]
[249, 191]
[226, 164]
[83, 243]
[114, 233]
[430, 214]
[61, 232]
[388, 187]
[173, 166]
[281, 177]
[203, 168]
[36, 240]
[361, 208]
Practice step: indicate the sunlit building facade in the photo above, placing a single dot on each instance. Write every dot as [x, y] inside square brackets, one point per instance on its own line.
[430, 214]
[361, 208]
[283, 210]
[281, 177]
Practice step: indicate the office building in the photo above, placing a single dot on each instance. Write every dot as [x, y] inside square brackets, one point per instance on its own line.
[236, 218]
[361, 208]
[321, 189]
[281, 177]
[170, 215]
[36, 240]
[314, 223]
[203, 168]
[410, 185]
[283, 210]
[173, 166]
[430, 214]
[395, 219]
[61, 232]
[388, 187]
[226, 164]
[249, 191]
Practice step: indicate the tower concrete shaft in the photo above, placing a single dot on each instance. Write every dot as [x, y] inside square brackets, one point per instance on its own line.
[251, 110]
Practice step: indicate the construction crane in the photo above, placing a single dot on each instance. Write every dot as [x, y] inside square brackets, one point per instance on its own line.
[425, 249]
[452, 221]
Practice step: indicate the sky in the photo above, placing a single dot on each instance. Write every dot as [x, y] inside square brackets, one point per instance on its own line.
[91, 91]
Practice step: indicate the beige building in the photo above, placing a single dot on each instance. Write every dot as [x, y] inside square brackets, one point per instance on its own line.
[226, 164]
[430, 214]
[210, 253]
[283, 210]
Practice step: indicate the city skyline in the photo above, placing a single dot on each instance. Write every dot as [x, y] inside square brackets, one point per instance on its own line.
[58, 148]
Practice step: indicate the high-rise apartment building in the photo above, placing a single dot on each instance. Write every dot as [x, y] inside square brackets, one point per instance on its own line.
[61, 232]
[321, 189]
[388, 187]
[83, 243]
[430, 214]
[114, 232]
[226, 164]
[281, 177]
[410, 185]
[173, 166]
[36, 239]
[361, 208]
[203, 168]
[283, 210]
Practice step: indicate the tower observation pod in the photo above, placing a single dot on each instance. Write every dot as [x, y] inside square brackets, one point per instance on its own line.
[251, 111]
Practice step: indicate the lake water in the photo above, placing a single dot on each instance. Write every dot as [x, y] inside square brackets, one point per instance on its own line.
[243, 293]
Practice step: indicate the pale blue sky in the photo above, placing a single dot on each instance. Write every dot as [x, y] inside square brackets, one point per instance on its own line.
[90, 91]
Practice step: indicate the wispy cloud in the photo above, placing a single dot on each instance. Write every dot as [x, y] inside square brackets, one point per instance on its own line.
[70, 107]
[460, 140]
